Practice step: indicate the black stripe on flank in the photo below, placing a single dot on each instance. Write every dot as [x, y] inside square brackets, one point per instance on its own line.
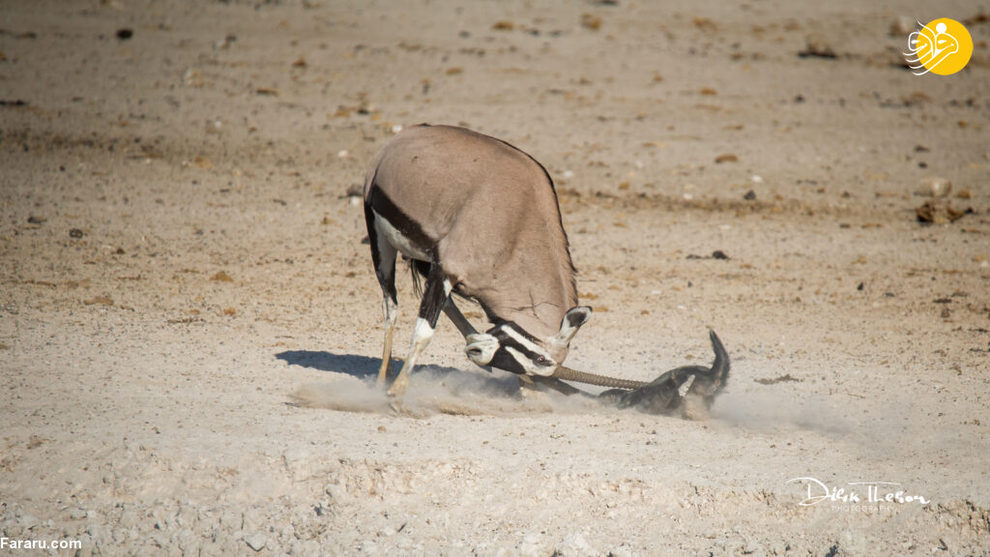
[406, 226]
[387, 282]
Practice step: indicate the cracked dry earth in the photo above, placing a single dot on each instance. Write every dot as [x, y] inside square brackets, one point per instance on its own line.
[189, 321]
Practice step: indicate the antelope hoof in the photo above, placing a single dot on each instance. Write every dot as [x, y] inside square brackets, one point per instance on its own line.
[398, 387]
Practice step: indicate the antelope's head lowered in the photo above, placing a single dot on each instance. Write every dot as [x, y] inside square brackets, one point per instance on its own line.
[509, 347]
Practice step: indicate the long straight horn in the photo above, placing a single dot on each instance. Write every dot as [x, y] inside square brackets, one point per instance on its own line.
[569, 374]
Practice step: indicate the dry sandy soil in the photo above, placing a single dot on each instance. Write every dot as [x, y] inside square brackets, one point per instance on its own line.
[189, 322]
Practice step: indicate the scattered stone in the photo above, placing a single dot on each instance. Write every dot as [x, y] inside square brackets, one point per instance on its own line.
[256, 541]
[222, 276]
[817, 48]
[726, 157]
[750, 196]
[504, 25]
[591, 21]
[33, 219]
[354, 190]
[780, 379]
[902, 26]
[704, 24]
[934, 186]
[939, 211]
[125, 33]
[575, 544]
[99, 300]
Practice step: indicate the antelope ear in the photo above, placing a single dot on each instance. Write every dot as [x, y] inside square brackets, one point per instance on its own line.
[573, 319]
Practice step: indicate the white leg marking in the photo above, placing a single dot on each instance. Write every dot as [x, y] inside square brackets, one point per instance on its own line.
[422, 333]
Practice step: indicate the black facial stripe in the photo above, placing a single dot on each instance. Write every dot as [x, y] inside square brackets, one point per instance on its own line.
[506, 341]
[497, 331]
[503, 360]
[402, 222]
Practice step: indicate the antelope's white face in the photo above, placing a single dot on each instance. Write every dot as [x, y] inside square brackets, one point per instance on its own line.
[508, 347]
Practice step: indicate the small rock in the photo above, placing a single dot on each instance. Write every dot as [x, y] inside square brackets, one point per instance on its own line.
[256, 541]
[939, 211]
[125, 33]
[75, 233]
[901, 26]
[36, 219]
[590, 21]
[726, 157]
[575, 544]
[935, 186]
[817, 47]
[222, 276]
[750, 196]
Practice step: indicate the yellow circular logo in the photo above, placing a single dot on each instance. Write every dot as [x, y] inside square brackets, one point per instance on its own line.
[943, 46]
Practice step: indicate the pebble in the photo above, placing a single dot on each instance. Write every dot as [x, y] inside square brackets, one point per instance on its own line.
[575, 544]
[901, 26]
[256, 541]
[935, 186]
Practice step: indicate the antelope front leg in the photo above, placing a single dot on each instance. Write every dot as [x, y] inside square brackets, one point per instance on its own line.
[458, 319]
[435, 295]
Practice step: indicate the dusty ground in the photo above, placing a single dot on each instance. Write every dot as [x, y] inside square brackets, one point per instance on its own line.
[185, 294]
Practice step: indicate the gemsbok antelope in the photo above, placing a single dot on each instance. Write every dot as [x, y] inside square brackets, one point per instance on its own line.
[479, 218]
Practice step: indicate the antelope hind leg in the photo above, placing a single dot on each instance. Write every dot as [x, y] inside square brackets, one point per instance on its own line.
[391, 310]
